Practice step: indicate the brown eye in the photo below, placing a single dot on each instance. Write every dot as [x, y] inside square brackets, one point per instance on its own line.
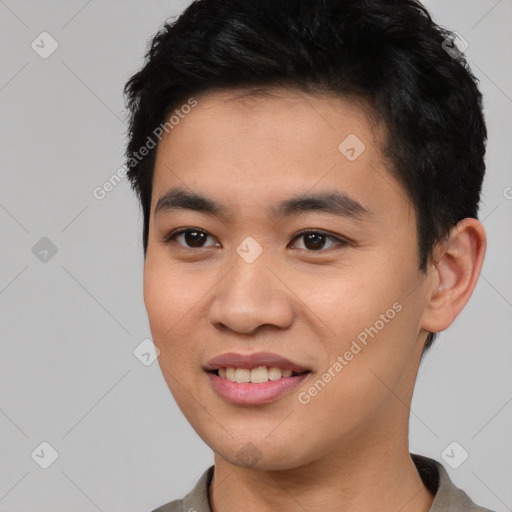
[315, 240]
[191, 238]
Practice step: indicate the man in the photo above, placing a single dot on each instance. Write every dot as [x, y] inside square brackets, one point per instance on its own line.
[309, 174]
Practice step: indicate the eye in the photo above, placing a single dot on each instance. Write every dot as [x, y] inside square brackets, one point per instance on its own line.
[315, 240]
[194, 238]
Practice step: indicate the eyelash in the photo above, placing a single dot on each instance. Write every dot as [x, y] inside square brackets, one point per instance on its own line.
[341, 242]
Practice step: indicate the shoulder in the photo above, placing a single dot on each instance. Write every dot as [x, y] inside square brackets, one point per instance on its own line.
[447, 495]
[196, 500]
[173, 506]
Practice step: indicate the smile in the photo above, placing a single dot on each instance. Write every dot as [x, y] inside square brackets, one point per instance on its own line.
[256, 375]
[254, 393]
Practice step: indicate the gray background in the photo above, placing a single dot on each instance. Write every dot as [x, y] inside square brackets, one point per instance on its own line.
[68, 375]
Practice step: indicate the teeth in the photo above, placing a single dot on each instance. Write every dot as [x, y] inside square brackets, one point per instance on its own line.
[242, 375]
[259, 374]
[256, 375]
[274, 373]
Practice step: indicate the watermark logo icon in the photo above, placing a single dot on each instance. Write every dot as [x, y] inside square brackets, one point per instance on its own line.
[248, 455]
[44, 45]
[44, 250]
[454, 455]
[44, 455]
[146, 352]
[249, 249]
[455, 45]
[351, 147]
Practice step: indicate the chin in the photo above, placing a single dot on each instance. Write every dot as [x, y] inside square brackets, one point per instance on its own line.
[259, 455]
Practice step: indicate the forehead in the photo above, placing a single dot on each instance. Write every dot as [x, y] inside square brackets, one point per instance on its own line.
[252, 149]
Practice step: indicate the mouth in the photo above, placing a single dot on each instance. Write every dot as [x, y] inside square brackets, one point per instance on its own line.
[257, 386]
[257, 375]
[254, 379]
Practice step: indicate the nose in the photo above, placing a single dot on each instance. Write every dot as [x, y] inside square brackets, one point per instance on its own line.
[251, 295]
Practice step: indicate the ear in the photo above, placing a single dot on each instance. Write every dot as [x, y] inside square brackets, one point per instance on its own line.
[453, 277]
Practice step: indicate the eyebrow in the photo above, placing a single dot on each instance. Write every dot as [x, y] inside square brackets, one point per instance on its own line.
[332, 201]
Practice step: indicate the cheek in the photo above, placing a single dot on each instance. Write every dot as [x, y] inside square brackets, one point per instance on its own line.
[169, 295]
[158, 299]
[167, 304]
[172, 298]
[348, 298]
[367, 315]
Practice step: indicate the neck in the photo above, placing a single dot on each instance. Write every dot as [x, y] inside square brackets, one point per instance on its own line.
[361, 478]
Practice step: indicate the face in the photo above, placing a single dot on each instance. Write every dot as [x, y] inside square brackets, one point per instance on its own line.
[331, 283]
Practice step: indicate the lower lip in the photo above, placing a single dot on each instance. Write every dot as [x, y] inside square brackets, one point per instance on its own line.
[254, 393]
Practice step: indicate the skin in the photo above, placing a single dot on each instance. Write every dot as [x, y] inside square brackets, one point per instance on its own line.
[347, 449]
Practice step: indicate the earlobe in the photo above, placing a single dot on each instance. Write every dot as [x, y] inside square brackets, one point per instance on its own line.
[458, 262]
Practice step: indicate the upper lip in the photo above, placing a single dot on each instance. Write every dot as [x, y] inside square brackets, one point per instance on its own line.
[250, 361]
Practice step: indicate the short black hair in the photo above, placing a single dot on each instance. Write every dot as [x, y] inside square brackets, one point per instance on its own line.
[388, 52]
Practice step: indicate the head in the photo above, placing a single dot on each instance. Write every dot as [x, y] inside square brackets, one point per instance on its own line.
[263, 120]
